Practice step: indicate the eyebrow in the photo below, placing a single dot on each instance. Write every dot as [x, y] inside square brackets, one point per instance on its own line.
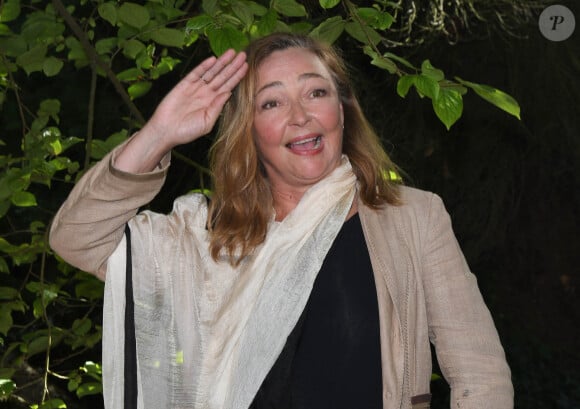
[301, 77]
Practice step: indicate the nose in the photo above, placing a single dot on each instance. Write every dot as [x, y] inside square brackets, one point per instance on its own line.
[298, 115]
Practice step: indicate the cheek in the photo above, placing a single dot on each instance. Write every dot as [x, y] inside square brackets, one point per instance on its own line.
[264, 134]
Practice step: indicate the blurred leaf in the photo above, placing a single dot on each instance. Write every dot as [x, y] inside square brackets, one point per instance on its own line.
[290, 8]
[133, 14]
[132, 47]
[329, 30]
[328, 4]
[225, 38]
[52, 66]
[243, 11]
[81, 326]
[169, 37]
[364, 34]
[7, 386]
[5, 320]
[131, 74]
[9, 10]
[108, 11]
[52, 404]
[23, 199]
[267, 23]
[33, 59]
[8, 293]
[89, 388]
[139, 89]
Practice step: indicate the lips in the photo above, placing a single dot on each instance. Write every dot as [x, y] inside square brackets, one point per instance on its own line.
[306, 144]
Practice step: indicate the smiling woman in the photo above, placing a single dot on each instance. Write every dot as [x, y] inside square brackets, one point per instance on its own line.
[298, 123]
[310, 280]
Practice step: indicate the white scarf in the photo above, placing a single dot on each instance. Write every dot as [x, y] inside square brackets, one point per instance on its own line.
[245, 313]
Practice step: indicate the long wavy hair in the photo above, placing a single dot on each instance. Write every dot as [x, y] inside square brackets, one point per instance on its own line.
[241, 204]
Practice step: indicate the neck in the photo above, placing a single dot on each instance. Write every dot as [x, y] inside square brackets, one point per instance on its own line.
[284, 202]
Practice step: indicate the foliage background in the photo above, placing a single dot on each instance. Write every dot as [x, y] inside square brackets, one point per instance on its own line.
[512, 187]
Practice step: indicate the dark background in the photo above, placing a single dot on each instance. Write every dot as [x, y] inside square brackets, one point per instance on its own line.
[513, 191]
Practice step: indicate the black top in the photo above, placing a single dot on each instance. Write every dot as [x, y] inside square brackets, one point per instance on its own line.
[332, 358]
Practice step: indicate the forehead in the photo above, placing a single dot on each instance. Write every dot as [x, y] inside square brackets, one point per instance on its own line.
[289, 64]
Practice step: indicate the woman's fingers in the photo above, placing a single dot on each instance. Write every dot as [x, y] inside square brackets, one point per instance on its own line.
[216, 73]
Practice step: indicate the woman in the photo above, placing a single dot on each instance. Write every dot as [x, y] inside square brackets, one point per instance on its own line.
[310, 280]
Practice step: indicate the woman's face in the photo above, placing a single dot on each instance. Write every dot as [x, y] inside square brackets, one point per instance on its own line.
[298, 119]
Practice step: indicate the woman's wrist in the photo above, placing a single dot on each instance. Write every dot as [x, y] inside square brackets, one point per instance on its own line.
[143, 153]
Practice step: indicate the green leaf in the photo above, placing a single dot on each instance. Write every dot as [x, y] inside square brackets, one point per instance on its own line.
[23, 199]
[5, 30]
[400, 60]
[364, 34]
[495, 96]
[6, 387]
[133, 14]
[328, 4]
[53, 404]
[169, 37]
[9, 293]
[13, 46]
[132, 74]
[198, 23]
[52, 66]
[32, 60]
[329, 30]
[290, 8]
[385, 64]
[448, 106]
[383, 21]
[9, 10]
[108, 11]
[165, 65]
[257, 9]
[428, 70]
[91, 289]
[267, 23]
[106, 45]
[139, 89]
[210, 6]
[4, 265]
[5, 319]
[427, 86]
[225, 38]
[404, 84]
[89, 388]
[131, 48]
[50, 108]
[82, 326]
[93, 369]
[243, 11]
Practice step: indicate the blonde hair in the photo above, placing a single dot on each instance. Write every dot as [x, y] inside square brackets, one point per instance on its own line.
[241, 204]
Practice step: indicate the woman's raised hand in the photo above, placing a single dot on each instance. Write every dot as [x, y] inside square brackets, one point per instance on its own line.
[189, 111]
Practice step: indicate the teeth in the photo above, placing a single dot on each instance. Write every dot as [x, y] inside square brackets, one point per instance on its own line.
[316, 141]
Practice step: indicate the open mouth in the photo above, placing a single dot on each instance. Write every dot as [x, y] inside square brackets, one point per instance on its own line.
[306, 144]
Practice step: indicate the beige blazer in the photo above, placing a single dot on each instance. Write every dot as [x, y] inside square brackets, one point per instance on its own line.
[425, 289]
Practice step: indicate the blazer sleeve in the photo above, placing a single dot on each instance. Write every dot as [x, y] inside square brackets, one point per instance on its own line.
[461, 328]
[90, 223]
